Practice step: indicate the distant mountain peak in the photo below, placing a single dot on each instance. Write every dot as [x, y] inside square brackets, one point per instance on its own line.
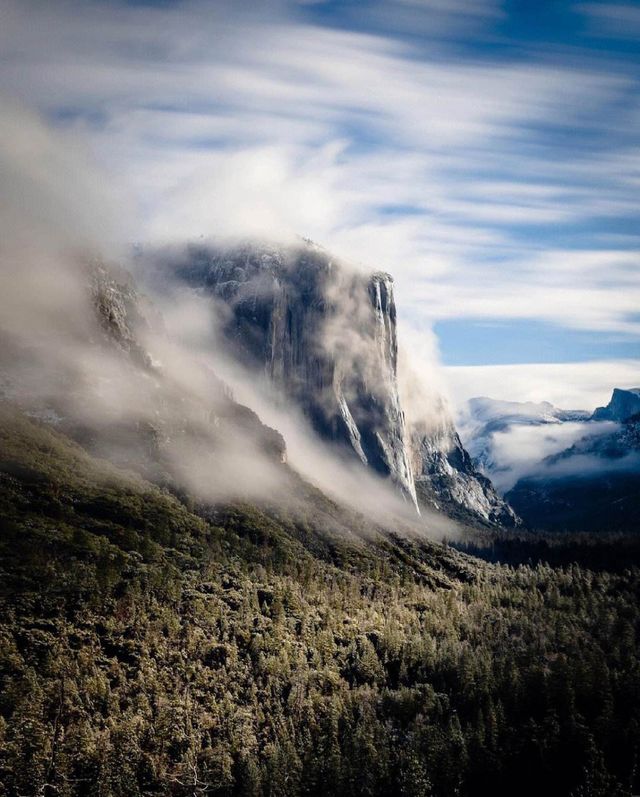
[624, 403]
[561, 469]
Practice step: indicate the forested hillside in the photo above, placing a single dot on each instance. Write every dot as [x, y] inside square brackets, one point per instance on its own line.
[153, 646]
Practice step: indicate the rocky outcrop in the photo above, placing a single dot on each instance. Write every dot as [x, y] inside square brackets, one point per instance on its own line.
[623, 404]
[125, 317]
[326, 336]
[122, 312]
[103, 387]
[446, 478]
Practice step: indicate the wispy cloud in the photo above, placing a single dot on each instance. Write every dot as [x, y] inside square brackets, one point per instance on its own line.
[493, 182]
[618, 20]
[520, 451]
[581, 385]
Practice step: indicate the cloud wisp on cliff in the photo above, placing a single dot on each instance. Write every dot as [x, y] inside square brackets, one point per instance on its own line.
[152, 387]
[492, 171]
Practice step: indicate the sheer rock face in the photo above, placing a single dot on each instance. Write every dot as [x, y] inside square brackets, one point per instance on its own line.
[623, 405]
[327, 338]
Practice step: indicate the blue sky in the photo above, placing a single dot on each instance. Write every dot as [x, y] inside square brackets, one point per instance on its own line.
[486, 153]
[496, 341]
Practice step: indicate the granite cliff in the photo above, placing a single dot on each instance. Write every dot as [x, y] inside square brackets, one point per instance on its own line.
[326, 336]
[622, 405]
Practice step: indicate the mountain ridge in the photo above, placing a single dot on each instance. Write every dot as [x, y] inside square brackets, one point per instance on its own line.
[589, 480]
[326, 336]
[624, 403]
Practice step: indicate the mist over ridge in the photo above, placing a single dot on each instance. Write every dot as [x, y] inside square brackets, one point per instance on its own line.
[324, 335]
[85, 350]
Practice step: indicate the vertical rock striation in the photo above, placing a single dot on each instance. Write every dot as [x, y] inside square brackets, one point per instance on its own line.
[326, 337]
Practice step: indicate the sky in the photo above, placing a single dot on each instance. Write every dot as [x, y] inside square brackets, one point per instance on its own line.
[484, 152]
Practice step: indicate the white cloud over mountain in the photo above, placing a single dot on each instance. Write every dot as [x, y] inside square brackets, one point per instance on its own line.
[490, 184]
[582, 385]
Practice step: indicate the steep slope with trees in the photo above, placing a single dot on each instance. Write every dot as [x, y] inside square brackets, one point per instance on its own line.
[152, 645]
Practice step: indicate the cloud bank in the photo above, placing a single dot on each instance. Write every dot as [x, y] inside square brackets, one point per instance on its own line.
[583, 386]
[133, 387]
[493, 173]
[520, 452]
[476, 176]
